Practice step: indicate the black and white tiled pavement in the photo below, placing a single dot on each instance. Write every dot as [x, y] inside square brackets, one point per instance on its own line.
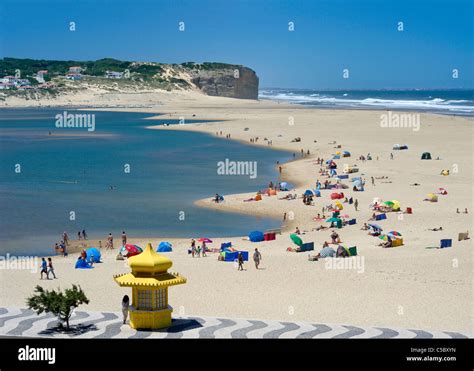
[26, 323]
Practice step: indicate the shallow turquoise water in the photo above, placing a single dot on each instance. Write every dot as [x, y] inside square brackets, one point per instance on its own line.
[168, 171]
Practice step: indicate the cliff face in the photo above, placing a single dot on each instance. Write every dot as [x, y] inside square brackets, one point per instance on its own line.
[240, 82]
[217, 79]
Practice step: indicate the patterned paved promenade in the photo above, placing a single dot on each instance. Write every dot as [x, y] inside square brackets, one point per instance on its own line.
[26, 323]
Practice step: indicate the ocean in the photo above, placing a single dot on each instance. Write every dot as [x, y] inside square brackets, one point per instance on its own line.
[452, 102]
[64, 181]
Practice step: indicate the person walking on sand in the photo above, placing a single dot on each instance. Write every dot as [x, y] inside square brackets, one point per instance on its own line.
[124, 238]
[373, 180]
[44, 268]
[391, 156]
[125, 306]
[65, 238]
[203, 249]
[79, 236]
[110, 241]
[356, 204]
[257, 257]
[84, 234]
[50, 268]
[240, 260]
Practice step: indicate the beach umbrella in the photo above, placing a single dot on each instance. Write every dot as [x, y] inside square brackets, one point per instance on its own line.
[396, 204]
[375, 226]
[384, 237]
[284, 185]
[332, 220]
[389, 203]
[339, 205]
[309, 192]
[296, 240]
[129, 250]
[395, 233]
[205, 239]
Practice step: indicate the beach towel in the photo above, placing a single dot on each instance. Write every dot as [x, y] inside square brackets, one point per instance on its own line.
[446, 243]
[308, 246]
[381, 217]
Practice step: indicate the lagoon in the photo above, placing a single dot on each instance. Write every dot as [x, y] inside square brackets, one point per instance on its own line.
[120, 177]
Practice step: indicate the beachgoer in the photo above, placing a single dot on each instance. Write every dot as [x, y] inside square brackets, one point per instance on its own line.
[65, 238]
[391, 156]
[44, 268]
[356, 204]
[240, 260]
[257, 257]
[297, 231]
[110, 241]
[465, 211]
[373, 180]
[84, 234]
[124, 238]
[203, 249]
[457, 211]
[125, 306]
[79, 236]
[335, 237]
[50, 268]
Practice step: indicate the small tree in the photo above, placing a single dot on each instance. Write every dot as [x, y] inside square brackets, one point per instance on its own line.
[56, 302]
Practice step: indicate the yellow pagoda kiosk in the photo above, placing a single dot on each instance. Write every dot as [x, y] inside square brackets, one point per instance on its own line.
[149, 281]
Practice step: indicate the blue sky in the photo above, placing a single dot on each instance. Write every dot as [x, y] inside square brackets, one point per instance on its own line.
[329, 36]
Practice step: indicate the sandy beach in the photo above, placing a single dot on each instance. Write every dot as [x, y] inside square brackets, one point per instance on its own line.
[409, 286]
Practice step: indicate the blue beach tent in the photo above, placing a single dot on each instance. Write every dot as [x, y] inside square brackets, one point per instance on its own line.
[82, 264]
[256, 236]
[164, 247]
[93, 253]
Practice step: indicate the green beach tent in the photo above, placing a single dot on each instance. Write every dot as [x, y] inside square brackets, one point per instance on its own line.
[296, 240]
